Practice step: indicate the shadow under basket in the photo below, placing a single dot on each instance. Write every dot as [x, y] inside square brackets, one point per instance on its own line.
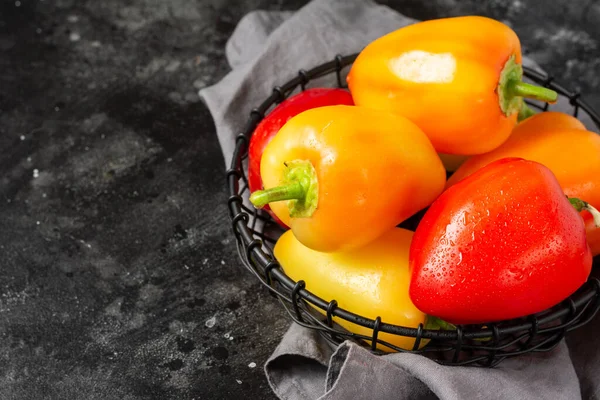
[476, 345]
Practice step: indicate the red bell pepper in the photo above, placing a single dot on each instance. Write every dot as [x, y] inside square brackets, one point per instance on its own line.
[270, 125]
[503, 243]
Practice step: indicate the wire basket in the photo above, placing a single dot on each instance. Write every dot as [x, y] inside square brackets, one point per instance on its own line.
[477, 345]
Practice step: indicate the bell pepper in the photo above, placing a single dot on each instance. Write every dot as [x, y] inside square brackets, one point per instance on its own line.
[340, 176]
[458, 79]
[560, 142]
[371, 281]
[501, 244]
[592, 232]
[270, 125]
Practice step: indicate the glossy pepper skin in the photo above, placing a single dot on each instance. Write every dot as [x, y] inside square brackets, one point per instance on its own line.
[371, 281]
[561, 143]
[270, 125]
[501, 244]
[458, 79]
[348, 174]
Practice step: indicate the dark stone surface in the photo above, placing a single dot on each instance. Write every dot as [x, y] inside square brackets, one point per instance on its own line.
[115, 254]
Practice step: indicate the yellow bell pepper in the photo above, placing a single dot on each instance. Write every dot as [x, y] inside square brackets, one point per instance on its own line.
[459, 79]
[370, 281]
[340, 176]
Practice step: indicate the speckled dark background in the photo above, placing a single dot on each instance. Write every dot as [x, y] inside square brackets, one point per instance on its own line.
[115, 252]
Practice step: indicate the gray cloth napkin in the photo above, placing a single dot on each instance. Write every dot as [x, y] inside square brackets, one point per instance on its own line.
[267, 49]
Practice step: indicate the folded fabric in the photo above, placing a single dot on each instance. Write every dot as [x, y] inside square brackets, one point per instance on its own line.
[304, 367]
[267, 49]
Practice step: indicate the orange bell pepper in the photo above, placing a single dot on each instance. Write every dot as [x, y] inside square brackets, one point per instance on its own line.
[349, 174]
[561, 143]
[371, 281]
[458, 79]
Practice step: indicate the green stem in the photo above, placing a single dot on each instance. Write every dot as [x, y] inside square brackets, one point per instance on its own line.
[511, 89]
[437, 323]
[299, 186]
[581, 205]
[524, 89]
[525, 112]
[294, 190]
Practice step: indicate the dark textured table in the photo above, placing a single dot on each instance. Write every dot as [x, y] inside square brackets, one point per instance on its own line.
[118, 272]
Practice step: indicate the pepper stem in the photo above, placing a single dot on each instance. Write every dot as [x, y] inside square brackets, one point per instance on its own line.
[299, 186]
[511, 89]
[581, 205]
[525, 112]
[436, 323]
[524, 89]
[294, 190]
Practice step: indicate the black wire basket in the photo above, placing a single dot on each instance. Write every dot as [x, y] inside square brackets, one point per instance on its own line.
[477, 345]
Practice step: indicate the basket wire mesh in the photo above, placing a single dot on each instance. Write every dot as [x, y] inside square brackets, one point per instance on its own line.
[478, 345]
